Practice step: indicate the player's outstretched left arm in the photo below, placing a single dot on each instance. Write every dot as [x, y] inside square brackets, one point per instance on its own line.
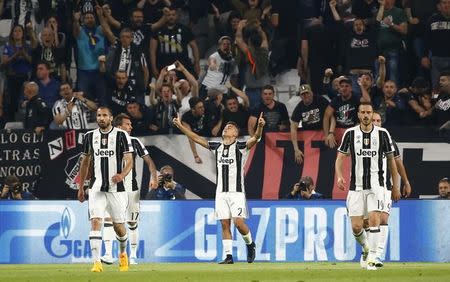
[258, 133]
[128, 159]
[402, 171]
[152, 168]
[190, 134]
[393, 170]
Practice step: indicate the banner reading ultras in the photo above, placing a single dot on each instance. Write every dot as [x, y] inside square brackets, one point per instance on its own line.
[186, 231]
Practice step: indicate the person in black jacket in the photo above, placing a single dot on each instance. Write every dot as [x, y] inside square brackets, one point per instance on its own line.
[128, 57]
[37, 114]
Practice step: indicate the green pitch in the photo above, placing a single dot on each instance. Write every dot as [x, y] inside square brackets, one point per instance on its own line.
[392, 272]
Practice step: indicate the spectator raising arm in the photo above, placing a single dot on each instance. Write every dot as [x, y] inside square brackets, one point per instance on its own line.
[382, 73]
[189, 77]
[153, 49]
[153, 100]
[329, 124]
[196, 55]
[109, 18]
[76, 24]
[105, 26]
[239, 93]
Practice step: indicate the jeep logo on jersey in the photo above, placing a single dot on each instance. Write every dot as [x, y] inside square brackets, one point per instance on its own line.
[104, 153]
[366, 153]
[223, 160]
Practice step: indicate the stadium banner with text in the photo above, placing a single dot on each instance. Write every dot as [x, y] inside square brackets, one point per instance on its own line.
[186, 231]
[19, 155]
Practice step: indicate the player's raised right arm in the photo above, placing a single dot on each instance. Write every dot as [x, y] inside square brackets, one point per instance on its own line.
[191, 135]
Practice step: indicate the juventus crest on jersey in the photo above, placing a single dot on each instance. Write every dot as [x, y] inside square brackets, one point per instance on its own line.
[107, 151]
[230, 160]
[366, 150]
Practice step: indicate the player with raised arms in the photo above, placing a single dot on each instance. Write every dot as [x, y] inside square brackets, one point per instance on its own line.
[230, 202]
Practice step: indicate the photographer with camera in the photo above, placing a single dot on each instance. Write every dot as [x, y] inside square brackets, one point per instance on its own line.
[304, 190]
[12, 190]
[167, 189]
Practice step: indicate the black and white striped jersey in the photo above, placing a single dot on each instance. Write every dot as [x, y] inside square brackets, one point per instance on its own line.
[367, 150]
[141, 151]
[107, 151]
[230, 161]
[78, 117]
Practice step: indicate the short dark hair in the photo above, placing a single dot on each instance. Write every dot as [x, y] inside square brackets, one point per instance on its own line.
[136, 10]
[126, 29]
[47, 66]
[268, 87]
[445, 179]
[105, 108]
[420, 82]
[68, 82]
[234, 15]
[445, 72]
[194, 101]
[168, 85]
[11, 180]
[118, 120]
[365, 104]
[235, 125]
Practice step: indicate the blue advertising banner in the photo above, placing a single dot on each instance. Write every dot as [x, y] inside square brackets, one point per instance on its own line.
[186, 231]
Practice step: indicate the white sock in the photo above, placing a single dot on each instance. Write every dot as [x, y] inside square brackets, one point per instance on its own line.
[123, 241]
[248, 238]
[95, 240]
[108, 237]
[134, 239]
[367, 233]
[384, 231]
[361, 238]
[374, 238]
[227, 246]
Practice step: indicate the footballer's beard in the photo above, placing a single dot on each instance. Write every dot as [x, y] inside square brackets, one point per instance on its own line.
[103, 124]
[366, 121]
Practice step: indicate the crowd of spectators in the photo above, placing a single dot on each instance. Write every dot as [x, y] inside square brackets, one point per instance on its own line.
[62, 59]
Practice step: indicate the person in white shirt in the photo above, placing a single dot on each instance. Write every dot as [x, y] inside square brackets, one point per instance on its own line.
[71, 112]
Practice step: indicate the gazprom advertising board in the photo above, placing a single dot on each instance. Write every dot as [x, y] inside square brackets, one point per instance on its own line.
[186, 231]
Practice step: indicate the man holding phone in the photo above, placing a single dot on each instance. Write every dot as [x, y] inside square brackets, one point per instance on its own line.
[73, 109]
[304, 190]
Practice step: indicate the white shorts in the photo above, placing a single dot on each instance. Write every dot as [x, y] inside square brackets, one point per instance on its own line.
[387, 202]
[133, 206]
[104, 204]
[231, 204]
[360, 203]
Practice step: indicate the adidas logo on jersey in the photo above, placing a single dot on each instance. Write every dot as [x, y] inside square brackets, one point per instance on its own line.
[366, 153]
[225, 161]
[104, 153]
